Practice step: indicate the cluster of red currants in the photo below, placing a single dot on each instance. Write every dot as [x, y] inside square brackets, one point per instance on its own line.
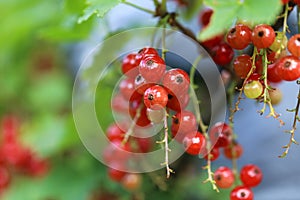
[15, 157]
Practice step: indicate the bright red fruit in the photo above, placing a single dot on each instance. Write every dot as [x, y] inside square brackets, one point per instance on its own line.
[236, 152]
[242, 65]
[115, 174]
[176, 81]
[214, 153]
[183, 123]
[113, 132]
[204, 16]
[294, 45]
[141, 85]
[239, 37]
[155, 97]
[130, 65]
[127, 89]
[179, 102]
[194, 144]
[288, 68]
[224, 177]
[212, 42]
[284, 1]
[272, 74]
[4, 177]
[241, 193]
[143, 118]
[152, 68]
[251, 175]
[222, 54]
[263, 36]
[220, 135]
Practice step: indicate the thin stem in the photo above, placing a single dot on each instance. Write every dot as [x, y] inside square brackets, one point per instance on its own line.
[156, 3]
[166, 143]
[298, 18]
[139, 7]
[164, 50]
[293, 130]
[203, 127]
[132, 125]
[286, 14]
[163, 6]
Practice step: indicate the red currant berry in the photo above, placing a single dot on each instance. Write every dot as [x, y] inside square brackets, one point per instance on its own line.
[212, 42]
[114, 132]
[144, 52]
[152, 68]
[251, 175]
[127, 89]
[263, 36]
[38, 167]
[220, 135]
[284, 1]
[179, 102]
[236, 152]
[288, 68]
[130, 65]
[194, 144]
[242, 65]
[297, 2]
[183, 123]
[115, 174]
[241, 193]
[5, 177]
[239, 37]
[144, 144]
[224, 177]
[294, 45]
[141, 85]
[119, 103]
[214, 154]
[222, 54]
[204, 16]
[176, 81]
[143, 119]
[155, 97]
[116, 152]
[272, 74]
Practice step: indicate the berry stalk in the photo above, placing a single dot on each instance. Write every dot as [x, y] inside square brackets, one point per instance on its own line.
[138, 7]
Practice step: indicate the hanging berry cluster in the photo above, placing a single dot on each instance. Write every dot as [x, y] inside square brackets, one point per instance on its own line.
[15, 157]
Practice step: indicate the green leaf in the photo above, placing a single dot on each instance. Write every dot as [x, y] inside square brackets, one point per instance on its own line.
[226, 12]
[192, 9]
[98, 7]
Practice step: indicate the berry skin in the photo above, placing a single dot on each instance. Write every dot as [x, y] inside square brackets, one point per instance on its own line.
[194, 144]
[144, 52]
[294, 45]
[288, 68]
[141, 85]
[176, 81]
[144, 144]
[237, 149]
[115, 174]
[214, 152]
[127, 89]
[113, 132]
[222, 54]
[263, 36]
[205, 16]
[179, 102]
[284, 1]
[253, 89]
[119, 103]
[241, 193]
[4, 177]
[212, 42]
[152, 68]
[242, 65]
[220, 135]
[272, 74]
[131, 181]
[279, 43]
[155, 97]
[224, 177]
[130, 65]
[156, 116]
[143, 119]
[183, 123]
[251, 175]
[275, 96]
[239, 37]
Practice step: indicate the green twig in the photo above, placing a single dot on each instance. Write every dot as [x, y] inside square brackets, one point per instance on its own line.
[139, 7]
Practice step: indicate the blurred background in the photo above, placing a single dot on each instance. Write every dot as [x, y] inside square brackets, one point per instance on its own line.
[42, 45]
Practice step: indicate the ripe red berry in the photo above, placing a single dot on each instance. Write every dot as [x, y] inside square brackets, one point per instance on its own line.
[141, 85]
[179, 102]
[222, 54]
[152, 68]
[5, 177]
[114, 132]
[241, 193]
[251, 175]
[119, 103]
[130, 65]
[239, 37]
[297, 2]
[294, 45]
[155, 97]
[288, 68]
[183, 123]
[214, 153]
[242, 65]
[143, 119]
[144, 144]
[144, 52]
[176, 81]
[220, 135]
[263, 36]
[224, 177]
[272, 74]
[205, 16]
[115, 174]
[115, 153]
[236, 152]
[127, 89]
[194, 144]
[212, 42]
[284, 1]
